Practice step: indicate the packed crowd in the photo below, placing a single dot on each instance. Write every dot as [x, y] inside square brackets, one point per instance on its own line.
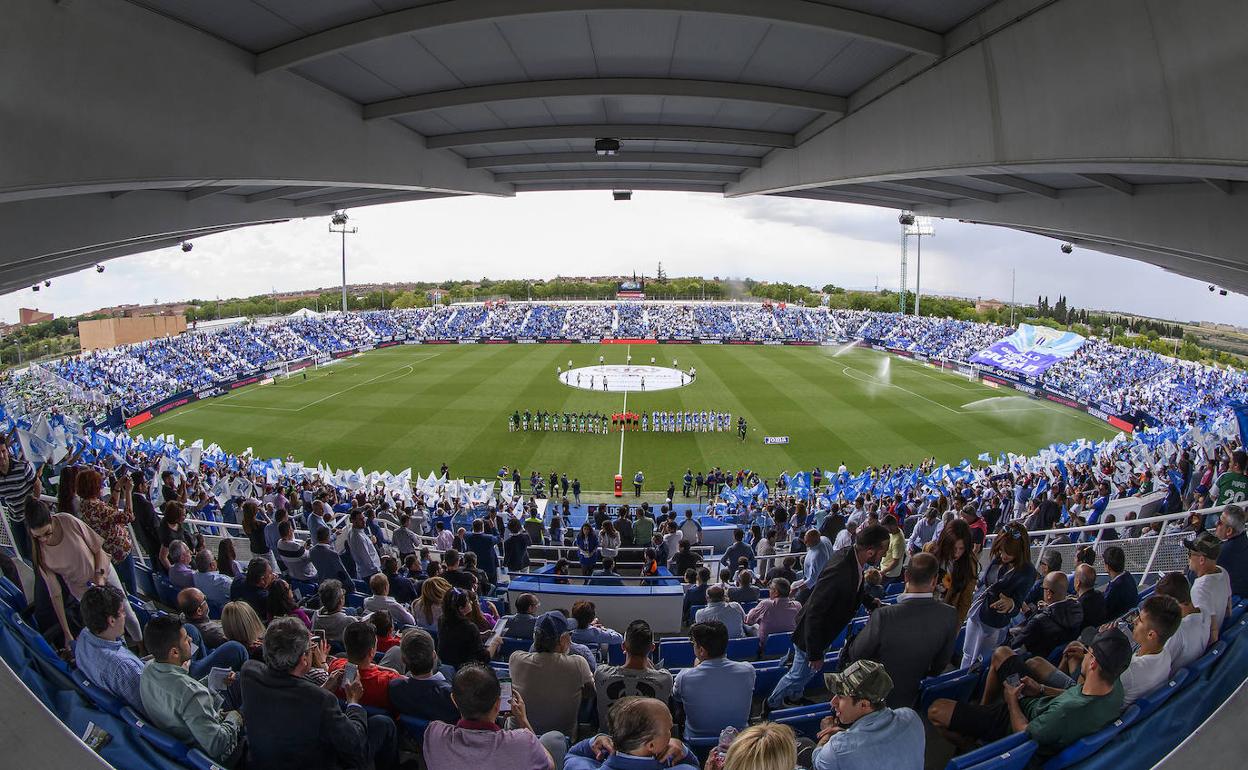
[1124, 380]
[1171, 391]
[387, 610]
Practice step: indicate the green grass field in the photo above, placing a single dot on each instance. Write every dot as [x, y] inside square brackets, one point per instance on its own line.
[420, 406]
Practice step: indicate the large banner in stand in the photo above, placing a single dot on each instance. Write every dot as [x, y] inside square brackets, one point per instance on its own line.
[1030, 350]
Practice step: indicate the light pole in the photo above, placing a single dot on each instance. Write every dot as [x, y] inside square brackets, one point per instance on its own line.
[338, 224]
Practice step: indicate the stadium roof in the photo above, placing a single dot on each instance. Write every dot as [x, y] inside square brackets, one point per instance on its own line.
[1109, 123]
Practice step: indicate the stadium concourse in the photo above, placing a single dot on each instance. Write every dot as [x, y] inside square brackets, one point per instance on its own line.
[694, 634]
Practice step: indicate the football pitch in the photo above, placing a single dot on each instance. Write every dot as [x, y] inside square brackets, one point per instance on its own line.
[423, 405]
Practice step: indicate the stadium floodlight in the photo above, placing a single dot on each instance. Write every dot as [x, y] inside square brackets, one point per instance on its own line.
[916, 227]
[338, 224]
[606, 146]
[1067, 248]
[622, 195]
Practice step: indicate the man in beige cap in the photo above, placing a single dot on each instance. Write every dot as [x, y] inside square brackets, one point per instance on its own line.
[863, 730]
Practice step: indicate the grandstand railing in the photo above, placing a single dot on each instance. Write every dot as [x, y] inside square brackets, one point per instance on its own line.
[1148, 555]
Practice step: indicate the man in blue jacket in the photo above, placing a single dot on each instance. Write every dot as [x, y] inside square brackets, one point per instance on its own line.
[640, 739]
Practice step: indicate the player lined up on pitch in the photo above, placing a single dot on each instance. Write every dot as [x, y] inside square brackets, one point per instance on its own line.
[558, 422]
[705, 421]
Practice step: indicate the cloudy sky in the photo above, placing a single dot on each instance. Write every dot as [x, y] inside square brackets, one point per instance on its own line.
[586, 233]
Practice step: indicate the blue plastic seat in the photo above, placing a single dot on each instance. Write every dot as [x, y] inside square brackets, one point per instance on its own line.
[1150, 702]
[807, 721]
[693, 612]
[1012, 759]
[744, 648]
[955, 685]
[1089, 744]
[1201, 667]
[1229, 634]
[37, 644]
[766, 675]
[512, 644]
[12, 595]
[97, 695]
[615, 654]
[676, 652]
[166, 744]
[356, 599]
[198, 760]
[1236, 613]
[987, 752]
[166, 591]
[414, 727]
[778, 644]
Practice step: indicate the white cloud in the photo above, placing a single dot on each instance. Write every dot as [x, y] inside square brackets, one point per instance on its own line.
[586, 233]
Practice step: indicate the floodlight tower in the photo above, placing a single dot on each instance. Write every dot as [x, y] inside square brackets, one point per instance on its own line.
[338, 224]
[917, 227]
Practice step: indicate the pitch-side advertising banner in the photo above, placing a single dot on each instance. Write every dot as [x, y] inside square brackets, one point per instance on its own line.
[1030, 350]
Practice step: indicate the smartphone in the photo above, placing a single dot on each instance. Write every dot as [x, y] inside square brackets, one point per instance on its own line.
[318, 637]
[1013, 680]
[504, 697]
[350, 673]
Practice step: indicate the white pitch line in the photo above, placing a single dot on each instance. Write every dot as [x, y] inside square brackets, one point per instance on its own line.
[622, 432]
[358, 384]
[873, 381]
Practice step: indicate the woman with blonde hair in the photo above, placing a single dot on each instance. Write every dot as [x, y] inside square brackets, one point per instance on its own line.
[241, 624]
[427, 609]
[764, 746]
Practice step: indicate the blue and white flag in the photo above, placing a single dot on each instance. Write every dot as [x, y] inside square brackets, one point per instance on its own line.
[1240, 410]
[1030, 350]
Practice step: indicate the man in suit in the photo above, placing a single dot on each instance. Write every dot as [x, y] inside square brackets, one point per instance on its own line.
[276, 696]
[1120, 592]
[832, 604]
[913, 638]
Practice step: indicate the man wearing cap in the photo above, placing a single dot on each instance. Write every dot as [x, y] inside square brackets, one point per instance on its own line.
[551, 680]
[1211, 590]
[863, 729]
[1234, 555]
[1151, 629]
[1052, 717]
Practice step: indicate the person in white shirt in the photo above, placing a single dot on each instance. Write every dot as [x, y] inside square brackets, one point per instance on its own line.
[1156, 623]
[382, 601]
[691, 529]
[1211, 590]
[1192, 638]
[845, 538]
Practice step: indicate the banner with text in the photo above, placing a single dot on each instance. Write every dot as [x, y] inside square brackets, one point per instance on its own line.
[1030, 350]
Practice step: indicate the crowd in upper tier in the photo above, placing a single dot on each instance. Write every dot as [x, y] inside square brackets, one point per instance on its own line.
[1123, 379]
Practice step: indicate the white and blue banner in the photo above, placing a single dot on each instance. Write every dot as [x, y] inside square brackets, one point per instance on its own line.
[1030, 350]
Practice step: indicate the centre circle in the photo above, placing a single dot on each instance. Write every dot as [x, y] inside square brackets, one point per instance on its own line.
[625, 378]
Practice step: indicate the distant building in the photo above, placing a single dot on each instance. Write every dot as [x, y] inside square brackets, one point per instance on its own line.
[27, 316]
[988, 305]
[111, 332]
